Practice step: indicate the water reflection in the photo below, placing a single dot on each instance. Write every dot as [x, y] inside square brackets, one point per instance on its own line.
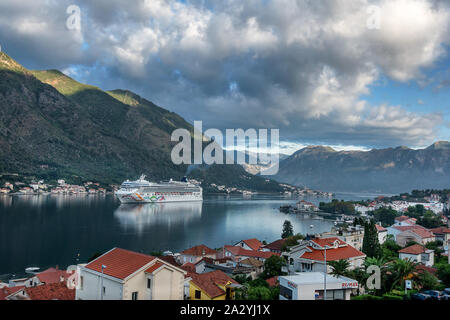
[142, 216]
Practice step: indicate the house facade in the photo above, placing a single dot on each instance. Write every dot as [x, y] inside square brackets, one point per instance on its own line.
[309, 255]
[310, 286]
[196, 253]
[418, 253]
[214, 285]
[250, 244]
[126, 275]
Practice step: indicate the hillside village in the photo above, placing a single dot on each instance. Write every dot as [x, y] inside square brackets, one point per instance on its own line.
[293, 267]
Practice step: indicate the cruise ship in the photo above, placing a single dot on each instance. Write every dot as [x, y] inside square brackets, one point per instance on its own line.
[143, 191]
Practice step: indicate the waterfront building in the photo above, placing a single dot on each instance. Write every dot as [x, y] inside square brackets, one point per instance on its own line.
[250, 244]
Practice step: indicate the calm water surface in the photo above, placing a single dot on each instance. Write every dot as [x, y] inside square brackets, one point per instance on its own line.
[52, 230]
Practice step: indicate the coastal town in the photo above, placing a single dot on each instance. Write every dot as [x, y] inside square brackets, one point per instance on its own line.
[60, 186]
[409, 256]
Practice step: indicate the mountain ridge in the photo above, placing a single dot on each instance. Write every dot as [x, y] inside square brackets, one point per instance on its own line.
[392, 170]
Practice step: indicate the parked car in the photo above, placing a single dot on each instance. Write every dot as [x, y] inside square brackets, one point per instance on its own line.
[420, 296]
[434, 294]
[445, 294]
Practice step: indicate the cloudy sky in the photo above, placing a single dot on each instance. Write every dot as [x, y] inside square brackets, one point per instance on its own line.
[346, 73]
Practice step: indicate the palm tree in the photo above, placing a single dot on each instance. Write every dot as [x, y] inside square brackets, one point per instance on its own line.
[339, 267]
[400, 270]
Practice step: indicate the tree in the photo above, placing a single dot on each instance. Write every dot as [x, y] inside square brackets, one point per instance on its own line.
[443, 273]
[400, 270]
[259, 293]
[371, 245]
[288, 230]
[339, 267]
[385, 215]
[272, 267]
[427, 281]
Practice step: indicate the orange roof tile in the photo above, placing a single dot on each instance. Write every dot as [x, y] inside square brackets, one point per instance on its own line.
[7, 291]
[380, 228]
[276, 245]
[52, 291]
[52, 275]
[419, 230]
[154, 267]
[199, 250]
[414, 249]
[272, 282]
[344, 251]
[209, 282]
[440, 230]
[189, 267]
[120, 263]
[254, 244]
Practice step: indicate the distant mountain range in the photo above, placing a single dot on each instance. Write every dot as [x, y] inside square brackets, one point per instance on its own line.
[391, 170]
[52, 126]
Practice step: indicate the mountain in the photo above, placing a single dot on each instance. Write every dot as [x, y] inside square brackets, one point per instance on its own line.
[390, 170]
[52, 127]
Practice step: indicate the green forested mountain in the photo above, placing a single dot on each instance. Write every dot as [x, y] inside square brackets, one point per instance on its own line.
[52, 126]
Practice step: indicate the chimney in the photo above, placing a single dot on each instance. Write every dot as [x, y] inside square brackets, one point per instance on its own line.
[57, 267]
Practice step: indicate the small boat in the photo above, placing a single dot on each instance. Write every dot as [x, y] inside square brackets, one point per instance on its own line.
[311, 226]
[32, 269]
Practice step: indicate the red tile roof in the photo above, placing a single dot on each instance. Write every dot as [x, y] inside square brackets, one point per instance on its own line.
[276, 245]
[52, 291]
[7, 291]
[154, 267]
[52, 275]
[199, 251]
[272, 282]
[342, 252]
[170, 259]
[380, 228]
[189, 267]
[419, 230]
[120, 263]
[254, 244]
[238, 251]
[440, 230]
[414, 249]
[209, 282]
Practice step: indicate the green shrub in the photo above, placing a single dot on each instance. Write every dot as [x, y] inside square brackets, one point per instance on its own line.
[388, 296]
[366, 297]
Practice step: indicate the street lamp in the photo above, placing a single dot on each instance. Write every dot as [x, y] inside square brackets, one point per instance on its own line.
[101, 284]
[325, 274]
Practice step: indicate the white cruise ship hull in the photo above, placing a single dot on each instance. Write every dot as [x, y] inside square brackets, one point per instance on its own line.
[142, 197]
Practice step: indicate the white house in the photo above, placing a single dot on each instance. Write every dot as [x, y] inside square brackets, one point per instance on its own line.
[309, 255]
[382, 233]
[310, 286]
[418, 253]
[126, 275]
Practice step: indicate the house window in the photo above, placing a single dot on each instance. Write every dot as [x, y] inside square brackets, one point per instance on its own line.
[104, 290]
[198, 294]
[134, 295]
[81, 282]
[149, 283]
